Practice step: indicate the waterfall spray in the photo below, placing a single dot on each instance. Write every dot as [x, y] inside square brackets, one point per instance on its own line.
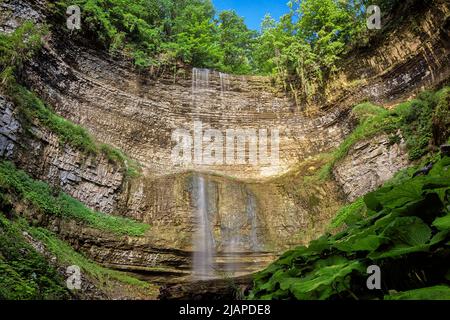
[251, 215]
[204, 243]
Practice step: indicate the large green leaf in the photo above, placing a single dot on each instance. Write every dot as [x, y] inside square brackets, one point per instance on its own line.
[363, 241]
[402, 219]
[398, 250]
[410, 231]
[410, 191]
[323, 282]
[442, 223]
[431, 293]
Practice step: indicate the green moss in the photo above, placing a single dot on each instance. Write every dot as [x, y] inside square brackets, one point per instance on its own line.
[15, 49]
[133, 169]
[43, 198]
[349, 214]
[25, 274]
[373, 120]
[32, 109]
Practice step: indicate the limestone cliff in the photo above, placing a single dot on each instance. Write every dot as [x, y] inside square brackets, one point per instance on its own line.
[262, 208]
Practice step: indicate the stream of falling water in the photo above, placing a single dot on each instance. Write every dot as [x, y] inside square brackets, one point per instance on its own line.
[251, 215]
[200, 83]
[236, 244]
[204, 244]
[224, 83]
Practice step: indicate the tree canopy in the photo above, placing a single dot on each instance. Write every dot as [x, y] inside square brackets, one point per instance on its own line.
[301, 48]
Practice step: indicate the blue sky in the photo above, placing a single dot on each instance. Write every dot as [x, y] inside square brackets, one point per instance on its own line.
[254, 10]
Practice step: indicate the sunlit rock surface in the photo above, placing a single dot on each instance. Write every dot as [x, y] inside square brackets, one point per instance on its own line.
[253, 211]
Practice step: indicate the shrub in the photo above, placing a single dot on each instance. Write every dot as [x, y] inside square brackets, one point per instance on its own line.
[43, 198]
[404, 229]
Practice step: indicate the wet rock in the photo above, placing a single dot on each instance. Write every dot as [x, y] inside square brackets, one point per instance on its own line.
[208, 290]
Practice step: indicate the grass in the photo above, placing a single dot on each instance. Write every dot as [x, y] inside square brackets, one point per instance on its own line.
[34, 109]
[24, 273]
[68, 256]
[372, 120]
[15, 49]
[423, 123]
[44, 199]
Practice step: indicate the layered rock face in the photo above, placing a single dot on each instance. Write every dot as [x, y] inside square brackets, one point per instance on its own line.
[139, 115]
[402, 62]
[369, 164]
[92, 179]
[248, 208]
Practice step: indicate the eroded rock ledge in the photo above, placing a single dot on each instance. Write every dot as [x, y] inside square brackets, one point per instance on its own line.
[92, 179]
[369, 164]
[138, 113]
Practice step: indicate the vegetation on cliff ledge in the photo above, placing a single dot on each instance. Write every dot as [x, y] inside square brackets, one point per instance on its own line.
[15, 49]
[24, 273]
[33, 263]
[423, 123]
[403, 228]
[17, 186]
[302, 48]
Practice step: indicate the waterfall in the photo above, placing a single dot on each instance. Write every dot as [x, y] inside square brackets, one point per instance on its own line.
[251, 216]
[224, 83]
[239, 227]
[200, 80]
[200, 84]
[204, 243]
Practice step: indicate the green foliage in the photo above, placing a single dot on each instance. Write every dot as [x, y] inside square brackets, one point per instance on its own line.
[235, 43]
[24, 273]
[32, 108]
[305, 46]
[441, 117]
[301, 49]
[68, 256]
[133, 169]
[159, 33]
[414, 119]
[431, 293]
[44, 199]
[349, 214]
[17, 47]
[402, 226]
[425, 121]
[373, 120]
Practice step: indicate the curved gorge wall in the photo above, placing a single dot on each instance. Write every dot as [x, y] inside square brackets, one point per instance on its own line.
[138, 114]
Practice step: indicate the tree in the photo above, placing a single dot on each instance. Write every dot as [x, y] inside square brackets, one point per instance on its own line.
[235, 42]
